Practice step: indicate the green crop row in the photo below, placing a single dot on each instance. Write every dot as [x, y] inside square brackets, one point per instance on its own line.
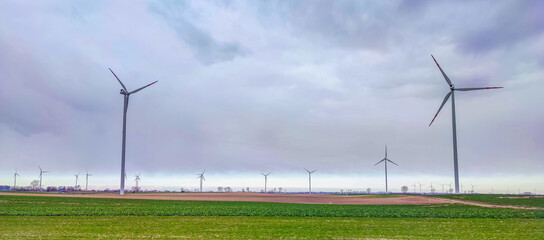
[60, 206]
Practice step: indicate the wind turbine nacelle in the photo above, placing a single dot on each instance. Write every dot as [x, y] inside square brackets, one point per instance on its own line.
[123, 91]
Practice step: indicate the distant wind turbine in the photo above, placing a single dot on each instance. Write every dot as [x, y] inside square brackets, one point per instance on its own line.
[443, 187]
[414, 187]
[137, 179]
[265, 180]
[77, 178]
[451, 93]
[472, 187]
[87, 180]
[420, 187]
[126, 95]
[41, 173]
[202, 178]
[15, 174]
[310, 179]
[385, 160]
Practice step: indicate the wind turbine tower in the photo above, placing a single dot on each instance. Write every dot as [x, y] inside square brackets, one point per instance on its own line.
[310, 179]
[414, 187]
[15, 174]
[385, 160]
[41, 173]
[202, 178]
[451, 93]
[265, 180]
[126, 95]
[420, 187]
[77, 178]
[87, 180]
[137, 179]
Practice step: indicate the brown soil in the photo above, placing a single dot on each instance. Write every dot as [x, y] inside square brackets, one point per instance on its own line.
[281, 198]
[261, 197]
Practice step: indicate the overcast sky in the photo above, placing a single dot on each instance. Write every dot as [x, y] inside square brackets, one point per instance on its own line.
[251, 86]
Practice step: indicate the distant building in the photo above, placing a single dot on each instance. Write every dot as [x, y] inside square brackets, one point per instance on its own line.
[4, 188]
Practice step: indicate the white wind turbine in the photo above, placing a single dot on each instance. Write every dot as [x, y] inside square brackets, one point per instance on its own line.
[87, 180]
[15, 174]
[202, 178]
[265, 180]
[126, 95]
[451, 93]
[137, 179]
[310, 179]
[77, 178]
[41, 173]
[385, 160]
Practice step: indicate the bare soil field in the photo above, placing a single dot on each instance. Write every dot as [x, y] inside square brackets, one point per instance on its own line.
[260, 197]
[281, 198]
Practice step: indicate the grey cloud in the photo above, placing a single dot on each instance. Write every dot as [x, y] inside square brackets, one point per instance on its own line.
[207, 49]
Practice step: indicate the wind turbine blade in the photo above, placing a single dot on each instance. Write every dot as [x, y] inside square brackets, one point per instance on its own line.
[379, 162]
[268, 173]
[137, 90]
[472, 89]
[313, 171]
[391, 162]
[443, 102]
[306, 170]
[123, 85]
[385, 151]
[443, 74]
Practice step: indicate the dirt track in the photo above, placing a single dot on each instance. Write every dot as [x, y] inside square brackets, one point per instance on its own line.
[281, 198]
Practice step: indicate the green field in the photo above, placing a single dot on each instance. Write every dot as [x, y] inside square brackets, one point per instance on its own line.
[30, 217]
[500, 199]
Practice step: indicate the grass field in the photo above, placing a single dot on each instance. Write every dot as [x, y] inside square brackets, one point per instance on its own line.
[197, 227]
[31, 217]
[500, 199]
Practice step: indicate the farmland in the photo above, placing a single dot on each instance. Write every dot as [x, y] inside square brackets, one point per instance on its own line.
[501, 199]
[92, 218]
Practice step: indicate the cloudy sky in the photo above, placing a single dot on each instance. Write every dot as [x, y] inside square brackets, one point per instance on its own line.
[256, 86]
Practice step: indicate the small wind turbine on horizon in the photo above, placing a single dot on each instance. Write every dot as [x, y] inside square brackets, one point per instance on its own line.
[472, 188]
[265, 180]
[41, 173]
[420, 187]
[443, 187]
[15, 174]
[77, 178]
[385, 160]
[137, 179]
[414, 187]
[202, 178]
[310, 179]
[87, 180]
[451, 93]
[126, 95]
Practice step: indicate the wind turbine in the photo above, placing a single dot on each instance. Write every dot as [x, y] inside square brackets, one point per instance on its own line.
[310, 179]
[414, 187]
[472, 188]
[77, 178]
[451, 93]
[385, 160]
[420, 187]
[41, 173]
[202, 178]
[432, 188]
[15, 174]
[126, 95]
[265, 180]
[443, 187]
[137, 180]
[87, 180]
